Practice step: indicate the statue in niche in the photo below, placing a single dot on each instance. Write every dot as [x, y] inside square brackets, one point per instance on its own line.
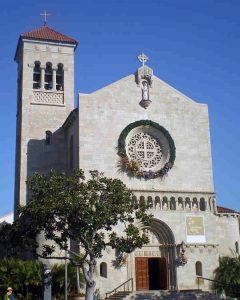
[157, 205]
[187, 206]
[145, 90]
[143, 78]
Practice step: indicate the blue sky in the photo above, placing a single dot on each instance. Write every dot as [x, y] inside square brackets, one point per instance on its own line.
[193, 45]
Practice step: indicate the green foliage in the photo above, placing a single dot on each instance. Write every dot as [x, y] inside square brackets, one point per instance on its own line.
[85, 211]
[18, 238]
[25, 277]
[58, 280]
[228, 272]
[64, 207]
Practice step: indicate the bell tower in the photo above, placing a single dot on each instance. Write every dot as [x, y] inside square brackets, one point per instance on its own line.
[45, 98]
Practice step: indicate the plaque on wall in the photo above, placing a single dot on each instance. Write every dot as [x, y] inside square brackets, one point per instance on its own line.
[195, 229]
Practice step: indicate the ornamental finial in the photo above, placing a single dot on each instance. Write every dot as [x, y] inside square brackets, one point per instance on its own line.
[142, 58]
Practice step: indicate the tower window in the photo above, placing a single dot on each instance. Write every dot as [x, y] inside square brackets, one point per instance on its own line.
[59, 78]
[237, 247]
[48, 77]
[48, 139]
[198, 268]
[103, 270]
[37, 75]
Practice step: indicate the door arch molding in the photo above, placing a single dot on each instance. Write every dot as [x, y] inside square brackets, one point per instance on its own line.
[167, 246]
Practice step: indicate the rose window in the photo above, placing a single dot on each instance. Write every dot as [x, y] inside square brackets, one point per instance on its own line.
[145, 149]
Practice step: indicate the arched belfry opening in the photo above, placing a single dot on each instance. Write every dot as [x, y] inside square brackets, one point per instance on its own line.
[155, 263]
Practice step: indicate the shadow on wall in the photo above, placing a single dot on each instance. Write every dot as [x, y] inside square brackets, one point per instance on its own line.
[49, 153]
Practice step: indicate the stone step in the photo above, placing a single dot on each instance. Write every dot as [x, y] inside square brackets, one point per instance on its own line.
[173, 295]
[119, 296]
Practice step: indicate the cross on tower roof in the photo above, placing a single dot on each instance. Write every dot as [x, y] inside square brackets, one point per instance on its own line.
[142, 58]
[45, 14]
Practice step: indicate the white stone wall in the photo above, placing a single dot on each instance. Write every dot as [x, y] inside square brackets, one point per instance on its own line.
[207, 253]
[96, 127]
[33, 120]
[105, 113]
[102, 117]
[227, 233]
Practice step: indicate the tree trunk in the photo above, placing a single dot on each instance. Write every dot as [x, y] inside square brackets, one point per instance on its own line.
[89, 292]
[89, 277]
[78, 281]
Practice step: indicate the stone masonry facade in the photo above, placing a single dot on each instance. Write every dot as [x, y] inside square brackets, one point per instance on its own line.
[52, 134]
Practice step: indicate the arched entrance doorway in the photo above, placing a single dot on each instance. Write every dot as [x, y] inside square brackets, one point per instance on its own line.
[155, 267]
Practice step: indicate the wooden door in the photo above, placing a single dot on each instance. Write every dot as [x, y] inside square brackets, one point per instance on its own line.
[142, 279]
[163, 273]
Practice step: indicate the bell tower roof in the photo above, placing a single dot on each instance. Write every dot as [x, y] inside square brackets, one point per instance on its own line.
[46, 33]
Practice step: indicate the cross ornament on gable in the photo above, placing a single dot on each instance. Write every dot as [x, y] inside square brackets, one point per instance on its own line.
[45, 14]
[142, 58]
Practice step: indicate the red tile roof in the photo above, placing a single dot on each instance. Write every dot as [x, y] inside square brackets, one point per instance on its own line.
[48, 34]
[224, 210]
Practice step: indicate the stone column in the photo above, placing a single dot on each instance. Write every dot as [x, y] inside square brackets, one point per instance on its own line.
[160, 202]
[184, 204]
[54, 79]
[214, 205]
[190, 203]
[168, 203]
[198, 204]
[206, 205]
[42, 78]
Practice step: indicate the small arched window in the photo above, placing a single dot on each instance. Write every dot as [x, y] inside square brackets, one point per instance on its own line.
[103, 269]
[142, 200]
[237, 247]
[134, 200]
[202, 204]
[37, 75]
[48, 139]
[198, 267]
[48, 77]
[172, 203]
[59, 78]
[150, 202]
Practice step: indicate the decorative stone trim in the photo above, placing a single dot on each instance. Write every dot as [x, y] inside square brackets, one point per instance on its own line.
[48, 98]
[147, 253]
[201, 246]
[175, 201]
[234, 215]
[132, 166]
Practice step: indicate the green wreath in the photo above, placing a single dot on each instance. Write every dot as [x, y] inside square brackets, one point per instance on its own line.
[132, 166]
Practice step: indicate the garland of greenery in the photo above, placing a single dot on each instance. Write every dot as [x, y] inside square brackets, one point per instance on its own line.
[133, 166]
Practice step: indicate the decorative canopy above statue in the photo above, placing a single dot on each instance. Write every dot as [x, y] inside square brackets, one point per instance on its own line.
[144, 79]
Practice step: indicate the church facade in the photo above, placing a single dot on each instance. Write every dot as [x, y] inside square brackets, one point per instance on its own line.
[142, 131]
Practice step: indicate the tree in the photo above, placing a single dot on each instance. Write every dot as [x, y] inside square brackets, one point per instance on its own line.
[25, 277]
[86, 211]
[227, 276]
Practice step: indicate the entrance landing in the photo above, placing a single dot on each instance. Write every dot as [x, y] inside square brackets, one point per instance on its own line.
[171, 295]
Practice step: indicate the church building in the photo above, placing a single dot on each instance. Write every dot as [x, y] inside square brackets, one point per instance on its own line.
[138, 129]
